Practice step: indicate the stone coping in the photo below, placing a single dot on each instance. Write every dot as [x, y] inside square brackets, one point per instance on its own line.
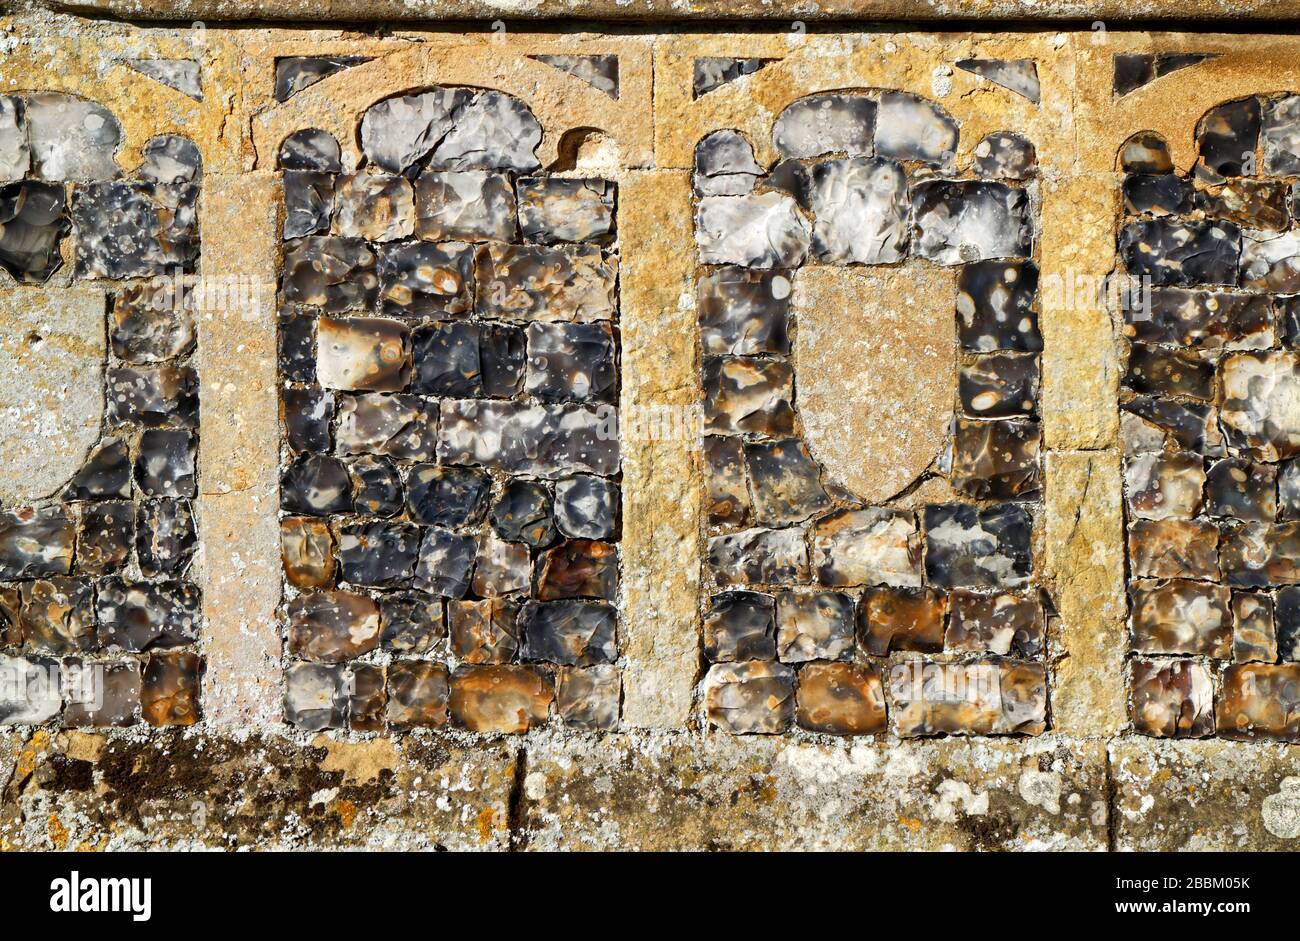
[633, 11]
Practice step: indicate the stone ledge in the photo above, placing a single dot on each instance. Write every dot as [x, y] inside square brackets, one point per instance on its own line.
[705, 10]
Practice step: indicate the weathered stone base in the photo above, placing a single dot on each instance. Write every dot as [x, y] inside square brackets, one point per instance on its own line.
[655, 791]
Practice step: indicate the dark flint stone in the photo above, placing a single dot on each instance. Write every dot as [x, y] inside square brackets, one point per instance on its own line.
[754, 697]
[367, 698]
[725, 165]
[171, 159]
[1281, 130]
[294, 73]
[1227, 137]
[1207, 319]
[998, 385]
[1182, 617]
[376, 486]
[446, 358]
[1253, 204]
[970, 547]
[1146, 152]
[36, 542]
[1193, 425]
[336, 274]
[474, 206]
[759, 557]
[996, 459]
[588, 697]
[1017, 75]
[1254, 633]
[1167, 62]
[598, 71]
[586, 507]
[297, 354]
[445, 496]
[378, 554]
[1288, 490]
[1242, 490]
[743, 312]
[153, 396]
[1260, 701]
[502, 568]
[840, 699]
[165, 465]
[573, 362]
[170, 691]
[378, 207]
[410, 623]
[403, 427]
[397, 132]
[483, 631]
[1004, 156]
[540, 282]
[894, 618]
[316, 485]
[814, 627]
[502, 359]
[579, 568]
[524, 513]
[311, 149]
[101, 694]
[421, 279]
[165, 537]
[995, 307]
[573, 633]
[1174, 548]
[826, 124]
[748, 396]
[58, 615]
[740, 625]
[149, 326]
[1164, 484]
[315, 696]
[33, 219]
[710, 72]
[1174, 251]
[532, 439]
[1259, 555]
[1172, 698]
[490, 131]
[11, 606]
[308, 202]
[553, 210]
[790, 177]
[446, 559]
[363, 353]
[143, 616]
[307, 415]
[909, 127]
[134, 230]
[1287, 620]
[104, 537]
[728, 494]
[960, 221]
[786, 482]
[1289, 311]
[332, 626]
[1154, 370]
[307, 552]
[1001, 624]
[417, 694]
[106, 474]
[1158, 194]
[1132, 71]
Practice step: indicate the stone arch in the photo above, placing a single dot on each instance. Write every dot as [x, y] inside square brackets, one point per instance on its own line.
[842, 528]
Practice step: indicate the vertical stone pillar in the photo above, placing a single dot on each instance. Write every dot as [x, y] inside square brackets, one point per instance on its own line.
[240, 455]
[661, 476]
[1084, 531]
